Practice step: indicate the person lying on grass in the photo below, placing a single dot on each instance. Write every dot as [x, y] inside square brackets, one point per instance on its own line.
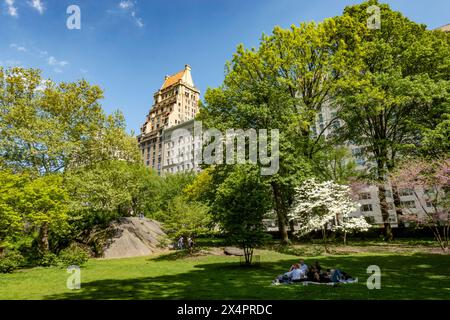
[313, 273]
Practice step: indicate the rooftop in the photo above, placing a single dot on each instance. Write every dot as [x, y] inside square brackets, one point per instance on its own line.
[181, 76]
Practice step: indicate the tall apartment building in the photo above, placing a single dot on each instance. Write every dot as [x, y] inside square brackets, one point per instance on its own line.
[176, 102]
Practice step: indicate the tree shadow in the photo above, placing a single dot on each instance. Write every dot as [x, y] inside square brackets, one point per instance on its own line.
[412, 277]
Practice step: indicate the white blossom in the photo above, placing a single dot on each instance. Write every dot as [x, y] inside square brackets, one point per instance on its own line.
[319, 205]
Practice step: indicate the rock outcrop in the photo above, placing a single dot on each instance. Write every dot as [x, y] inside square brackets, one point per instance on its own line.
[134, 237]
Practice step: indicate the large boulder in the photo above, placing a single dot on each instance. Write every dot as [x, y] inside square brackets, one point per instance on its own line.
[233, 251]
[134, 237]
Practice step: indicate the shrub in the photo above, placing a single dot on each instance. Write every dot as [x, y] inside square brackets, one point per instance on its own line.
[48, 259]
[10, 261]
[73, 255]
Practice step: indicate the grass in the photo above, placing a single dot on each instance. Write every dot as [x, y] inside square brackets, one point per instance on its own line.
[404, 276]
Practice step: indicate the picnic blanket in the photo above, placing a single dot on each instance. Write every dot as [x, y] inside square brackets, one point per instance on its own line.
[305, 283]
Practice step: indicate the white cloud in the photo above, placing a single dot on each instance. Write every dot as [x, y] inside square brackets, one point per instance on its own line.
[138, 20]
[128, 5]
[38, 5]
[58, 65]
[12, 11]
[84, 71]
[54, 62]
[17, 47]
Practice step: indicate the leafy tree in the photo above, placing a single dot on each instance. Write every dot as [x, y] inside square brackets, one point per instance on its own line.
[436, 141]
[336, 164]
[48, 127]
[168, 188]
[104, 192]
[325, 205]
[282, 85]
[396, 85]
[241, 202]
[44, 204]
[187, 219]
[11, 219]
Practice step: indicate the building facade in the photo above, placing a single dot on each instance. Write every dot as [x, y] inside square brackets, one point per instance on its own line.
[176, 102]
[180, 148]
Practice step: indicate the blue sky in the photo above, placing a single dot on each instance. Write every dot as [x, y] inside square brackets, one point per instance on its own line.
[126, 47]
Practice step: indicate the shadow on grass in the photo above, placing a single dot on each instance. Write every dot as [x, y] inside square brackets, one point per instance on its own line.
[418, 276]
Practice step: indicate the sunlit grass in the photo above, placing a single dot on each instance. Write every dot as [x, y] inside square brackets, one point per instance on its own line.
[403, 276]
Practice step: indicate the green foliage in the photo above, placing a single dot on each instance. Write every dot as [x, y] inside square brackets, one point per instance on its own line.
[48, 127]
[73, 255]
[48, 259]
[11, 218]
[187, 219]
[436, 141]
[44, 202]
[242, 201]
[336, 164]
[103, 192]
[10, 261]
[168, 188]
[54, 138]
[397, 87]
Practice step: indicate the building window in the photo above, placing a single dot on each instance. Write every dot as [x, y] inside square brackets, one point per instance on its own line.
[364, 196]
[409, 204]
[366, 208]
[406, 192]
[388, 193]
[391, 206]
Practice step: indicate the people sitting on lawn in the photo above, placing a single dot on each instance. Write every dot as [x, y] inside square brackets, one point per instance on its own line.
[294, 274]
[300, 272]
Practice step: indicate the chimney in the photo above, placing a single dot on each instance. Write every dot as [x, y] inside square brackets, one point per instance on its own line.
[187, 67]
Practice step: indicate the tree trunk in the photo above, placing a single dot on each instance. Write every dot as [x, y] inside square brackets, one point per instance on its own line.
[345, 238]
[397, 203]
[324, 235]
[43, 239]
[281, 214]
[388, 236]
[382, 180]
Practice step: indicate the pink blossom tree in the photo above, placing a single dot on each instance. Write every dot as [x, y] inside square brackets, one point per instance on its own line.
[433, 178]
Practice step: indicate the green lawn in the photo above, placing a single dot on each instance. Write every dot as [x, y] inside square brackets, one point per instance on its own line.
[404, 276]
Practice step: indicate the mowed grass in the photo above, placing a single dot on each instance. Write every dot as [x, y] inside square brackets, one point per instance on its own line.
[403, 276]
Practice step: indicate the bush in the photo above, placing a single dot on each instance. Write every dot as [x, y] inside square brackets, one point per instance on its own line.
[10, 261]
[73, 255]
[48, 260]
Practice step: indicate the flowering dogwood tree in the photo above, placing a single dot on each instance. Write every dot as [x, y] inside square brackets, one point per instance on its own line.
[325, 206]
[433, 179]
